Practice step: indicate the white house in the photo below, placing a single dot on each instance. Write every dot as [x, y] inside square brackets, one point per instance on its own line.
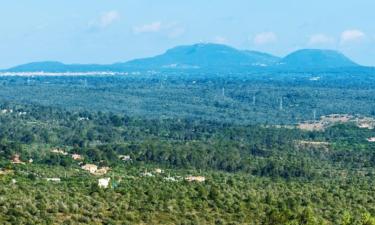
[77, 157]
[159, 171]
[124, 157]
[196, 179]
[4, 111]
[104, 182]
[59, 151]
[53, 179]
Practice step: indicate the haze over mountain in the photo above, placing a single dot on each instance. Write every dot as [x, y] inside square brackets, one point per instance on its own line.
[207, 56]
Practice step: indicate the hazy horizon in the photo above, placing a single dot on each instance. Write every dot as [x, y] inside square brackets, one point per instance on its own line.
[116, 31]
[165, 51]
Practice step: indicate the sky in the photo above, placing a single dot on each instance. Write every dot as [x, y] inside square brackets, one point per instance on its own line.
[108, 31]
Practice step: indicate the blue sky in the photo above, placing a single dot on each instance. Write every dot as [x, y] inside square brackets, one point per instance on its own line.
[106, 31]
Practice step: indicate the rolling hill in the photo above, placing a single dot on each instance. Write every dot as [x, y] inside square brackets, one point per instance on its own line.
[52, 66]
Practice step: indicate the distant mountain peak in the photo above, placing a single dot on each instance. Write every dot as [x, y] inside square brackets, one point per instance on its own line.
[205, 55]
[200, 47]
[317, 58]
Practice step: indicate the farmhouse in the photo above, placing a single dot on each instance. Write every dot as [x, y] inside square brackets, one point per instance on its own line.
[159, 171]
[77, 157]
[104, 182]
[366, 123]
[195, 179]
[53, 179]
[93, 169]
[124, 157]
[59, 151]
[90, 168]
[4, 111]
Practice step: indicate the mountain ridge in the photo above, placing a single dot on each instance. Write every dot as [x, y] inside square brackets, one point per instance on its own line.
[207, 56]
[203, 56]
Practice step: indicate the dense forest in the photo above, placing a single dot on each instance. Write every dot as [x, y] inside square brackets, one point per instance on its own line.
[235, 97]
[254, 173]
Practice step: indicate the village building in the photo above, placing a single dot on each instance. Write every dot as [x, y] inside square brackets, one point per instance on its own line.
[4, 111]
[93, 169]
[364, 125]
[195, 179]
[53, 179]
[104, 182]
[90, 168]
[59, 151]
[159, 171]
[124, 157]
[77, 157]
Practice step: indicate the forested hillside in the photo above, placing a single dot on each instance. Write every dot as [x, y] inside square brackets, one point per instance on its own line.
[254, 174]
[188, 148]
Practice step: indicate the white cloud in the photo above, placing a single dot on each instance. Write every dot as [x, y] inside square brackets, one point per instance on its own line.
[148, 28]
[349, 36]
[319, 39]
[108, 18]
[265, 38]
[105, 20]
